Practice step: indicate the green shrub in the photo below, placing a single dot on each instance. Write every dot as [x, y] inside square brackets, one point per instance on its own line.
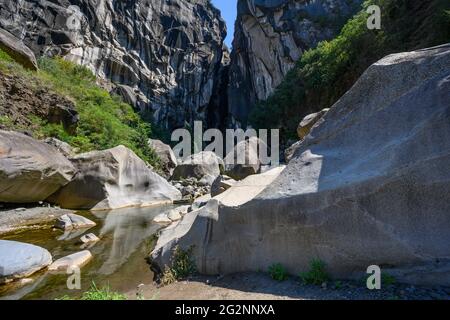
[182, 267]
[4, 57]
[95, 293]
[387, 279]
[278, 272]
[105, 120]
[6, 122]
[338, 285]
[317, 275]
[104, 293]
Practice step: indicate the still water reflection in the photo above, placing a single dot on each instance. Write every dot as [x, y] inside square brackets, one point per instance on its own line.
[127, 237]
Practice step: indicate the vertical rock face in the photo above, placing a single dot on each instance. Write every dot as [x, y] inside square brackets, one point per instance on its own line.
[162, 56]
[270, 36]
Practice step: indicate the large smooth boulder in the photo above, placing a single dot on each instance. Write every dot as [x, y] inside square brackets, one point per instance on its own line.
[165, 154]
[20, 260]
[113, 179]
[17, 50]
[30, 170]
[206, 209]
[244, 160]
[205, 166]
[368, 186]
[76, 260]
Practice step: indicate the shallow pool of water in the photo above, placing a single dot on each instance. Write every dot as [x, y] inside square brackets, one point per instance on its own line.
[127, 237]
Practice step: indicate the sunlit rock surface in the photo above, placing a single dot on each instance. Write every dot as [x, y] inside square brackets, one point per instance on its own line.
[112, 179]
[20, 260]
[368, 186]
[30, 170]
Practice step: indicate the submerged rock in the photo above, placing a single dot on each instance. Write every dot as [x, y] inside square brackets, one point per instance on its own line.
[14, 219]
[21, 260]
[73, 221]
[89, 238]
[369, 187]
[76, 260]
[112, 179]
[30, 170]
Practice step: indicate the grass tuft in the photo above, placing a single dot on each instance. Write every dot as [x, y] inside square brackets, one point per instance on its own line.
[182, 267]
[317, 274]
[278, 272]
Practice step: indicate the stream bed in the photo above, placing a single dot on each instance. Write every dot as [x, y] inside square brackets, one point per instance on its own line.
[127, 236]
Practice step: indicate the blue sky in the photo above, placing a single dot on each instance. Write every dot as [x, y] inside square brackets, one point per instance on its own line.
[228, 9]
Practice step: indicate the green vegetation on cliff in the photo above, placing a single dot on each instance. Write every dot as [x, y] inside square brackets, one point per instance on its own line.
[325, 73]
[105, 121]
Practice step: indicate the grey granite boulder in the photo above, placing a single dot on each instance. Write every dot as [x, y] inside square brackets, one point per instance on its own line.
[204, 166]
[165, 154]
[368, 186]
[17, 50]
[62, 147]
[73, 221]
[20, 260]
[112, 179]
[76, 260]
[30, 170]
[244, 160]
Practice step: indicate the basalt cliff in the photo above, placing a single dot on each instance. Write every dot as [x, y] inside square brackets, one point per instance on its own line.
[163, 57]
[168, 58]
[270, 38]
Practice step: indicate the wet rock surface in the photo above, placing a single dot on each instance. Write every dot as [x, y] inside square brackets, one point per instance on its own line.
[76, 260]
[23, 218]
